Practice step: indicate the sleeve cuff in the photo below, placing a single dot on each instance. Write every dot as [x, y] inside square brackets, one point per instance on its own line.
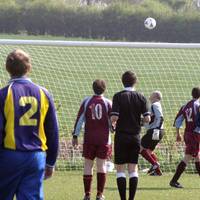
[146, 113]
[114, 113]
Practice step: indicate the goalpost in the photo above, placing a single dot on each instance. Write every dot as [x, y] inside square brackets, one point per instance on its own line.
[68, 68]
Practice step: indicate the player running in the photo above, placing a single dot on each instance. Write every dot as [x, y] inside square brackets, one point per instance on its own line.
[94, 112]
[188, 112]
[154, 133]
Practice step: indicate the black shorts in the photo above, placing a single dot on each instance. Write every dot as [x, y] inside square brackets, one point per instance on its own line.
[126, 148]
[147, 141]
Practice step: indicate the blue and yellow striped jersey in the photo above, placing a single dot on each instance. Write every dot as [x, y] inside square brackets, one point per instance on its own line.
[28, 119]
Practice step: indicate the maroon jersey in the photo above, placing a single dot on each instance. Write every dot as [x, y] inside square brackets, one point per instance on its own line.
[188, 113]
[94, 112]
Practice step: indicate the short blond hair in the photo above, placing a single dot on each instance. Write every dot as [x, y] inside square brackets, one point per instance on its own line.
[157, 94]
[18, 63]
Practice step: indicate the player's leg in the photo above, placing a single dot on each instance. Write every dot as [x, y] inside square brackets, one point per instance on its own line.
[146, 150]
[103, 152]
[197, 152]
[31, 185]
[134, 150]
[11, 171]
[133, 180]
[89, 155]
[179, 170]
[121, 153]
[197, 163]
[101, 177]
[121, 180]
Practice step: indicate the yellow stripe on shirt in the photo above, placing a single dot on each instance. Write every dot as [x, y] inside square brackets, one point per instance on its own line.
[43, 111]
[9, 111]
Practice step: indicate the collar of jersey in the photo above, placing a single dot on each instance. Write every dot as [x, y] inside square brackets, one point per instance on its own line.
[129, 88]
[21, 79]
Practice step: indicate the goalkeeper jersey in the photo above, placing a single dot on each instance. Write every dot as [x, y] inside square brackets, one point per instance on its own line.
[28, 119]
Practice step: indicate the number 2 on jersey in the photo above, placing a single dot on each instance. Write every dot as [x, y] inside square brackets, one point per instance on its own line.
[25, 119]
[189, 114]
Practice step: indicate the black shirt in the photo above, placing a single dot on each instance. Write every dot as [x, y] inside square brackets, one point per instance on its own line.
[129, 105]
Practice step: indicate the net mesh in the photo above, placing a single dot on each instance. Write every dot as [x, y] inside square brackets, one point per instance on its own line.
[68, 73]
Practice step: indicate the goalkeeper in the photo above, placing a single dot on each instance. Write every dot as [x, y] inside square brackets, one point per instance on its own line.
[154, 134]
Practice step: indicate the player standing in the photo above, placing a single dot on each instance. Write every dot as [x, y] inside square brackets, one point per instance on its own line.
[128, 106]
[154, 133]
[188, 112]
[94, 112]
[28, 128]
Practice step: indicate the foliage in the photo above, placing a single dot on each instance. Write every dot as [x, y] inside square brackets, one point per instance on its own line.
[120, 20]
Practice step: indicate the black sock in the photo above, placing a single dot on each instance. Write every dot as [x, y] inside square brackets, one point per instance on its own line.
[121, 184]
[132, 187]
[179, 170]
[197, 165]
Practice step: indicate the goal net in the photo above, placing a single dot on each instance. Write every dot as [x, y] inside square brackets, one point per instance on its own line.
[67, 69]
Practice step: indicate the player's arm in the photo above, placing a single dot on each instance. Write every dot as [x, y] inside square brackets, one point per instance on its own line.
[178, 123]
[78, 124]
[114, 115]
[158, 116]
[2, 121]
[145, 111]
[197, 121]
[52, 136]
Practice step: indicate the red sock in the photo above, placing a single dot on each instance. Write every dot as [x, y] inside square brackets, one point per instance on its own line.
[87, 180]
[153, 155]
[101, 180]
[197, 165]
[148, 156]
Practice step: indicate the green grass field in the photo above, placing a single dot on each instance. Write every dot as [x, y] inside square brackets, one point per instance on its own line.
[68, 186]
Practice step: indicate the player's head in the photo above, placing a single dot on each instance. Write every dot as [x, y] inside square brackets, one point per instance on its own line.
[18, 63]
[155, 96]
[99, 86]
[129, 79]
[196, 92]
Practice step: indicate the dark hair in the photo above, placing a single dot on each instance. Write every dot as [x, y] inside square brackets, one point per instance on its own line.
[99, 86]
[196, 92]
[129, 79]
[18, 63]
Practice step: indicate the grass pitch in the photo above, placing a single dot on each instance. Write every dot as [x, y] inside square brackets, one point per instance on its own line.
[68, 186]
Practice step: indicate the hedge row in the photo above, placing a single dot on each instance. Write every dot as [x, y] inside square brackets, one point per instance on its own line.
[115, 22]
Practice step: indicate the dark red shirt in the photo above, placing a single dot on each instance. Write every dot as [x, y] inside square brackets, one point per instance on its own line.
[94, 112]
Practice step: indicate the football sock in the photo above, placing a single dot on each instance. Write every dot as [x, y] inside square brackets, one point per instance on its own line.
[197, 165]
[121, 184]
[133, 181]
[153, 155]
[87, 180]
[179, 170]
[148, 156]
[101, 180]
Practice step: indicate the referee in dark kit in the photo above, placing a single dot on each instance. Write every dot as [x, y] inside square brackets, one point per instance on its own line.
[128, 106]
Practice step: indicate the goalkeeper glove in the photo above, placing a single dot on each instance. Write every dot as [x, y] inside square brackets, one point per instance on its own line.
[156, 134]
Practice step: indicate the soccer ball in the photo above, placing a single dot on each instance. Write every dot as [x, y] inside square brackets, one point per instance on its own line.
[150, 23]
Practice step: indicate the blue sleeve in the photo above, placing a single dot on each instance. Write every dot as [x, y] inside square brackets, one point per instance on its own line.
[52, 134]
[179, 121]
[2, 117]
[197, 121]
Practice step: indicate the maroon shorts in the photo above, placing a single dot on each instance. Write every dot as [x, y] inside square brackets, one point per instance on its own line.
[192, 142]
[91, 151]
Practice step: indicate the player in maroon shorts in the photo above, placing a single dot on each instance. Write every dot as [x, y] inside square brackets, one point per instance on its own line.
[94, 112]
[188, 112]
